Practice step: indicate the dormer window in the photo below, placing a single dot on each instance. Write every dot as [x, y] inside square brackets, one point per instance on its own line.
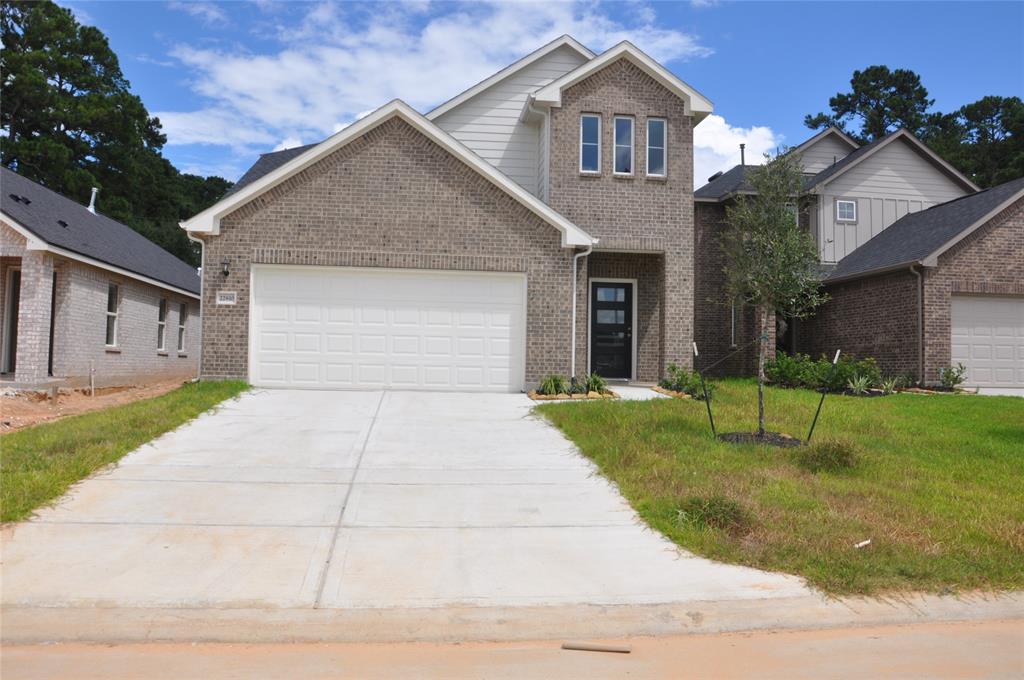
[590, 143]
[846, 211]
[623, 145]
[656, 146]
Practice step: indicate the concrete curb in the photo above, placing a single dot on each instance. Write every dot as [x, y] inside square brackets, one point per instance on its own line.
[32, 625]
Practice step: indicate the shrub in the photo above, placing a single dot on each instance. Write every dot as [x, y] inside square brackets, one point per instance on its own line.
[553, 384]
[595, 383]
[830, 455]
[715, 512]
[680, 379]
[890, 385]
[577, 386]
[953, 376]
[788, 371]
[802, 371]
[858, 384]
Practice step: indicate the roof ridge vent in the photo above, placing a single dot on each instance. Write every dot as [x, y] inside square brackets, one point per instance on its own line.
[715, 176]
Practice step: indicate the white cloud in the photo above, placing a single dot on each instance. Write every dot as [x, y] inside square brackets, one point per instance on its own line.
[207, 12]
[338, 60]
[716, 146]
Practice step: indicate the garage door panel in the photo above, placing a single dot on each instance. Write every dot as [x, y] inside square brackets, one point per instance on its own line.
[987, 336]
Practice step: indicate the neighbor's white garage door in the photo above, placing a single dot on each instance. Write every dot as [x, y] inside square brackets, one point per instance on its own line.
[342, 327]
[988, 338]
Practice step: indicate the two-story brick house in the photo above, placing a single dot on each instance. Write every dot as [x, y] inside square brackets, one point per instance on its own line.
[540, 222]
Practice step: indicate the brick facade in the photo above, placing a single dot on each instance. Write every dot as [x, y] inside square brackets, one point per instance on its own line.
[729, 348]
[870, 317]
[988, 262]
[79, 323]
[636, 213]
[391, 198]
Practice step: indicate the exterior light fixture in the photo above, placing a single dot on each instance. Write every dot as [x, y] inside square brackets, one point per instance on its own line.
[224, 266]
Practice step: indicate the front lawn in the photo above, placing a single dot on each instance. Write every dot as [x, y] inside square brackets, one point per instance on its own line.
[38, 464]
[938, 486]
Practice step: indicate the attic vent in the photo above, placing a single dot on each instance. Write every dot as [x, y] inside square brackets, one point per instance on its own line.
[715, 176]
[20, 199]
[62, 223]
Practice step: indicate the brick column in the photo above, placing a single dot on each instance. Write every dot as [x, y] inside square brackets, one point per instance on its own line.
[34, 317]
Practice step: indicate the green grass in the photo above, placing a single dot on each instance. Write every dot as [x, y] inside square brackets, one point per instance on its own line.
[937, 484]
[38, 464]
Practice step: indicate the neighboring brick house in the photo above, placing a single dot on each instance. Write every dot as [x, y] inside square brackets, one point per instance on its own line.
[441, 251]
[86, 298]
[884, 216]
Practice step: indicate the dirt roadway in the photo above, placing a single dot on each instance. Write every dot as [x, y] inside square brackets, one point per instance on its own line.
[991, 649]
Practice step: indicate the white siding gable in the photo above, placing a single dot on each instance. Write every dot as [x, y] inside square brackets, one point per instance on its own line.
[488, 123]
[892, 182]
[824, 153]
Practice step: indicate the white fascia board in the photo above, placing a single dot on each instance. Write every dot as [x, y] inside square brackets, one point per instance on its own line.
[33, 242]
[932, 259]
[697, 105]
[208, 221]
[800, 148]
[563, 41]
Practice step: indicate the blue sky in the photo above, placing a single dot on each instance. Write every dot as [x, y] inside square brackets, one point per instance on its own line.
[232, 79]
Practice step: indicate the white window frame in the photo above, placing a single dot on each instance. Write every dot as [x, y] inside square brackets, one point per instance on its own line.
[161, 325]
[182, 319]
[732, 324]
[616, 145]
[664, 147]
[840, 202]
[598, 118]
[112, 314]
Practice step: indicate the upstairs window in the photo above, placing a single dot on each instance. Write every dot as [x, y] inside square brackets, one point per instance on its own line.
[112, 302]
[623, 145]
[656, 147]
[590, 143]
[182, 318]
[161, 324]
[846, 211]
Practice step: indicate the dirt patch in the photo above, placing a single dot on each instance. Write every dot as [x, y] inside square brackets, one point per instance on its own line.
[769, 438]
[25, 409]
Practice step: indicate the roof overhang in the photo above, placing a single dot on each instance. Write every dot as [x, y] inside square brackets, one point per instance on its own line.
[888, 269]
[918, 146]
[697, 105]
[932, 259]
[208, 221]
[827, 132]
[512, 69]
[33, 242]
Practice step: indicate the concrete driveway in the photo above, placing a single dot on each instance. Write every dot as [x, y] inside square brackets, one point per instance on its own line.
[303, 500]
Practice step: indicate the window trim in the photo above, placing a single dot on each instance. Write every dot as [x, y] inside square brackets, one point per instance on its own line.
[182, 319]
[663, 147]
[632, 145]
[112, 314]
[732, 324]
[597, 117]
[161, 325]
[852, 202]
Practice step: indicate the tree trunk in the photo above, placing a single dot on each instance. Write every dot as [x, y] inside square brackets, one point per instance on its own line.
[762, 330]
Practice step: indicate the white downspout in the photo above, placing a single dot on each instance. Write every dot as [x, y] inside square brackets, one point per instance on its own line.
[202, 294]
[920, 324]
[575, 261]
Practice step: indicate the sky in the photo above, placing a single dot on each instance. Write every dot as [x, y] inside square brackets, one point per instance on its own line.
[231, 80]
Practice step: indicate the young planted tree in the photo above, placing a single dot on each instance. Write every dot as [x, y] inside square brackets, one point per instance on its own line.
[770, 262]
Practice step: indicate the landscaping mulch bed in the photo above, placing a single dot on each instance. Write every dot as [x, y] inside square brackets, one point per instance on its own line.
[770, 438]
[671, 393]
[589, 396]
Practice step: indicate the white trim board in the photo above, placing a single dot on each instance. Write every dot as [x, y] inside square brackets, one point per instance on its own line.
[208, 221]
[590, 321]
[696, 104]
[33, 242]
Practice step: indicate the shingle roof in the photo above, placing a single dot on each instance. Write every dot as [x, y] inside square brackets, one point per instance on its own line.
[914, 237]
[46, 213]
[267, 162]
[729, 182]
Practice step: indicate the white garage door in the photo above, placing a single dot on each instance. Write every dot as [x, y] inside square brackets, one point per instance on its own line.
[988, 338]
[342, 327]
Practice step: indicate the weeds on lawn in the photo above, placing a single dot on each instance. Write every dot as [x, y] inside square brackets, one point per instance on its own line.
[830, 455]
[716, 512]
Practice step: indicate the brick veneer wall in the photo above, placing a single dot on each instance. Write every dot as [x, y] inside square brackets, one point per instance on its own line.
[871, 317]
[712, 313]
[80, 329]
[634, 213]
[391, 198]
[988, 262]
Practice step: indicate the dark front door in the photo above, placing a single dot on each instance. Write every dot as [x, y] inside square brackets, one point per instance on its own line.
[611, 329]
